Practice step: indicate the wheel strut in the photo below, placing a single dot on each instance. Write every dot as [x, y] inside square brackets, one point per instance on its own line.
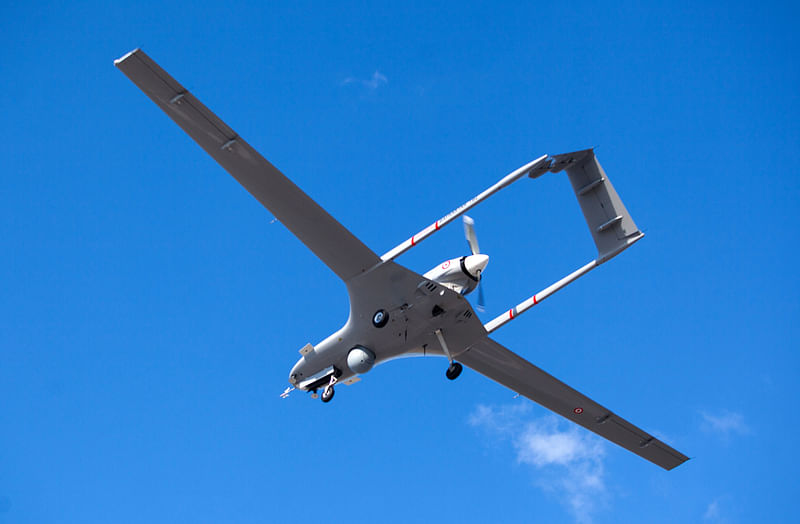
[327, 393]
[454, 369]
[444, 345]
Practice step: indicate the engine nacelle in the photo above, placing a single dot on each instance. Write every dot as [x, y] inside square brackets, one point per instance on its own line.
[360, 360]
[459, 274]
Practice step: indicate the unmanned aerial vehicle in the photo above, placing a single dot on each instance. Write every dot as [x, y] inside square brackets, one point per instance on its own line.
[396, 312]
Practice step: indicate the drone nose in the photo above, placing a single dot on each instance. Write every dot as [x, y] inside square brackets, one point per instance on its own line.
[475, 264]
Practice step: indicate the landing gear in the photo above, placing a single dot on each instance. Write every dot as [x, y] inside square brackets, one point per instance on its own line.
[380, 318]
[453, 371]
[327, 394]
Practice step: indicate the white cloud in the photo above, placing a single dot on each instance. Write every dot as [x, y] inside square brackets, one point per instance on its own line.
[726, 423]
[372, 83]
[720, 510]
[712, 511]
[568, 460]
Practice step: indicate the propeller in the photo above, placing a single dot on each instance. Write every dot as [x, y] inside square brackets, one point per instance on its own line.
[481, 300]
[472, 240]
[469, 232]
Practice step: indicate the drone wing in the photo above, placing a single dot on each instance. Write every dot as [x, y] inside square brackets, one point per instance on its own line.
[509, 369]
[337, 247]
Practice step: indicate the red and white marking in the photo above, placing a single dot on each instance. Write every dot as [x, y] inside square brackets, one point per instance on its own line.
[577, 411]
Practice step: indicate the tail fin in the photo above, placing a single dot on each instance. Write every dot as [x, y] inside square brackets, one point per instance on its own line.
[612, 228]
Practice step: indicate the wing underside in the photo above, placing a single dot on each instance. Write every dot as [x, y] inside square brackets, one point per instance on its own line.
[337, 247]
[509, 369]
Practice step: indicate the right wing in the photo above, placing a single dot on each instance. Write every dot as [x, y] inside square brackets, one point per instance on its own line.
[509, 369]
[337, 247]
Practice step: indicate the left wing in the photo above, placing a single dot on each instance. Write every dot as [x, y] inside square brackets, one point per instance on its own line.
[509, 369]
[337, 247]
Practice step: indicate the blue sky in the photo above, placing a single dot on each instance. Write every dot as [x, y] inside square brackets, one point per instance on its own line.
[150, 312]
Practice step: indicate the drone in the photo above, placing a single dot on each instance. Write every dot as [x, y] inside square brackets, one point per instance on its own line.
[396, 312]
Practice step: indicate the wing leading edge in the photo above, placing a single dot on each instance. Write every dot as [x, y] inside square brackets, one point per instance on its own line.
[337, 247]
[509, 369]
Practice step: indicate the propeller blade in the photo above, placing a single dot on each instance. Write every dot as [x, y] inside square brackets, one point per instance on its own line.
[469, 232]
[472, 240]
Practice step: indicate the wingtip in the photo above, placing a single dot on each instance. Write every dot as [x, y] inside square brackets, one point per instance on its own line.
[124, 57]
[682, 460]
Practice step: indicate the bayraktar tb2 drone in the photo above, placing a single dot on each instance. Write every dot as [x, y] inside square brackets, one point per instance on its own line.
[396, 312]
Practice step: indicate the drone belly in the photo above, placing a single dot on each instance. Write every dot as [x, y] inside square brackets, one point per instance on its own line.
[376, 345]
[353, 350]
[394, 313]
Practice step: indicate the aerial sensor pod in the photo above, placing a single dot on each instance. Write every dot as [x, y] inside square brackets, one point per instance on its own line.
[360, 360]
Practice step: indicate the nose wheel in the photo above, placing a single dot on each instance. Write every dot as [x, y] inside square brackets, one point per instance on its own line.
[327, 393]
[453, 370]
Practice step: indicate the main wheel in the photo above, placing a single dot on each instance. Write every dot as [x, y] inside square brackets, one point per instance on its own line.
[327, 394]
[454, 370]
[380, 318]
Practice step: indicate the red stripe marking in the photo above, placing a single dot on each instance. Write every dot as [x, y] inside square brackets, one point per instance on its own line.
[534, 300]
[437, 225]
[412, 240]
[510, 313]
